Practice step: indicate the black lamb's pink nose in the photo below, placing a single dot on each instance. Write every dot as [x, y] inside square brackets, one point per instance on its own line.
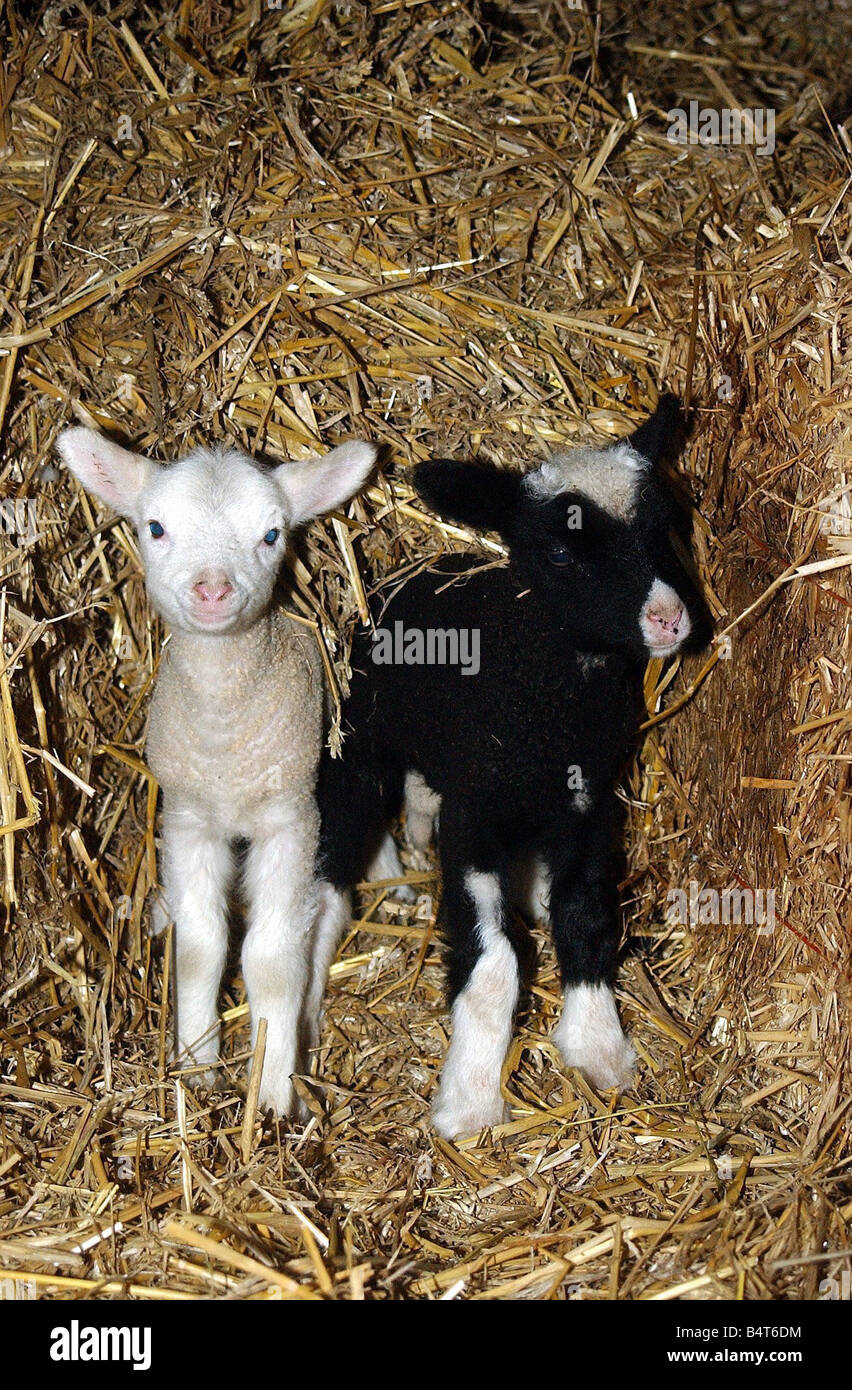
[212, 588]
[667, 619]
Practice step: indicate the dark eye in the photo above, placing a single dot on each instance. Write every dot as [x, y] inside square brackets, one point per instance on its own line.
[559, 555]
[271, 536]
[157, 529]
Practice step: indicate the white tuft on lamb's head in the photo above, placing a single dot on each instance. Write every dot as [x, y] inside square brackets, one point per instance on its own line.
[213, 527]
[613, 476]
[609, 477]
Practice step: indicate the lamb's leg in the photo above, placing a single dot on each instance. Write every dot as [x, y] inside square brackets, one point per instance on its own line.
[484, 990]
[386, 864]
[590, 1037]
[584, 912]
[196, 869]
[333, 915]
[281, 905]
[376, 789]
[352, 803]
[531, 889]
[422, 807]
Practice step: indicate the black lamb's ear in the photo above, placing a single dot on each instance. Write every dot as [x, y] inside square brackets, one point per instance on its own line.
[661, 432]
[486, 499]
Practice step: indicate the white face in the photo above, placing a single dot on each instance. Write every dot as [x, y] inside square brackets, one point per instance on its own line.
[213, 528]
[213, 531]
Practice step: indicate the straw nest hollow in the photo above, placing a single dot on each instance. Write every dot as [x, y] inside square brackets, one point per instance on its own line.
[455, 229]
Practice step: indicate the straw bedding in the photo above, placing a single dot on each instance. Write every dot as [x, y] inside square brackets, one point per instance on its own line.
[456, 230]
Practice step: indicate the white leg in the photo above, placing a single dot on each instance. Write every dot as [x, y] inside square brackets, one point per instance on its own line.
[386, 863]
[422, 805]
[333, 916]
[590, 1037]
[159, 914]
[531, 889]
[196, 869]
[281, 899]
[469, 1096]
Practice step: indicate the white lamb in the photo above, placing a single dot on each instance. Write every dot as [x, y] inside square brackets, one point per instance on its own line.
[236, 720]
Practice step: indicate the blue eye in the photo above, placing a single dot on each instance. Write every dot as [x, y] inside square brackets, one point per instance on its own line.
[272, 536]
[156, 529]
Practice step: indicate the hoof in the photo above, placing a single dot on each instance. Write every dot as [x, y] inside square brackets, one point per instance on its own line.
[605, 1071]
[278, 1095]
[452, 1118]
[590, 1038]
[207, 1079]
[158, 915]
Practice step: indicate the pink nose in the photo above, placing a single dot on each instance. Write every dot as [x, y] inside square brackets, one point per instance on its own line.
[212, 588]
[667, 619]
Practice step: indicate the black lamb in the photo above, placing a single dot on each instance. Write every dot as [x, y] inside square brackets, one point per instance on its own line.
[516, 749]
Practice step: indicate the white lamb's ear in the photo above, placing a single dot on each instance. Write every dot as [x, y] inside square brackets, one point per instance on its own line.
[318, 485]
[114, 474]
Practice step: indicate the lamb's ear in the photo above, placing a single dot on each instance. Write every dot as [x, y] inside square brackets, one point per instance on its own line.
[660, 432]
[114, 474]
[318, 485]
[486, 499]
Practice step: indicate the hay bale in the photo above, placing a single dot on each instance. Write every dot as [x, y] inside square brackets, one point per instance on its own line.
[455, 231]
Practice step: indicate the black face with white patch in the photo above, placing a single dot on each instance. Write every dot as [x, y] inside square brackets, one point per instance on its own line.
[594, 571]
[591, 534]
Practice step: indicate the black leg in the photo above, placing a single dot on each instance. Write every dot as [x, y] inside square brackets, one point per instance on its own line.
[352, 802]
[353, 796]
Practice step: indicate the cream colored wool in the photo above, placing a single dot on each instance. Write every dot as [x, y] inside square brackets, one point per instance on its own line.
[236, 720]
[235, 729]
